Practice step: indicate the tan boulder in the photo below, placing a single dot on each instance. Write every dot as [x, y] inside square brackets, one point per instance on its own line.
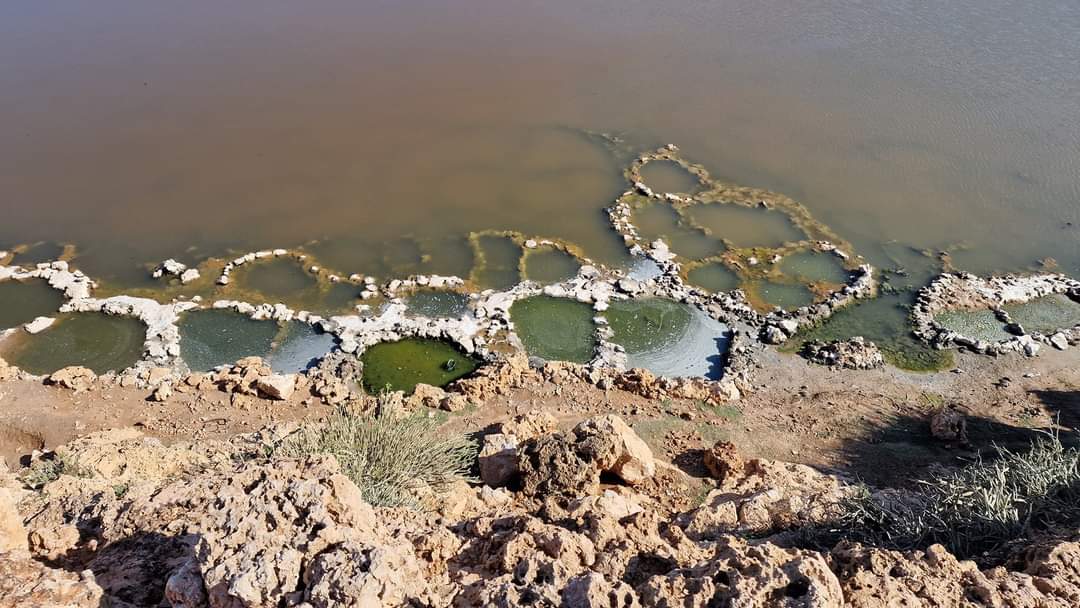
[76, 378]
[426, 395]
[750, 576]
[498, 459]
[26, 583]
[279, 387]
[12, 533]
[724, 461]
[529, 425]
[631, 459]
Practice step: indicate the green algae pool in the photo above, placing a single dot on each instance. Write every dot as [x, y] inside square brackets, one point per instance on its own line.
[555, 329]
[669, 338]
[97, 341]
[883, 320]
[401, 365]
[24, 301]
[209, 338]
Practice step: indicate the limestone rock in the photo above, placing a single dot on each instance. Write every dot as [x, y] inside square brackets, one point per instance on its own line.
[12, 532]
[426, 395]
[529, 425]
[25, 582]
[454, 402]
[569, 464]
[498, 459]
[53, 542]
[76, 378]
[7, 372]
[724, 461]
[748, 575]
[276, 386]
[856, 353]
[39, 325]
[631, 459]
[948, 425]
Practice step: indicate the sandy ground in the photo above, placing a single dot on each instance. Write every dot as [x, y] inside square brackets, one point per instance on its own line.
[870, 424]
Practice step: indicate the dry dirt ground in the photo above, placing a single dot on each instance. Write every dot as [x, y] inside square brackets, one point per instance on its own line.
[870, 424]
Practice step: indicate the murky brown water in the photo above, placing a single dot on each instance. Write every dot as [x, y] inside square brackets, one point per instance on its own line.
[146, 130]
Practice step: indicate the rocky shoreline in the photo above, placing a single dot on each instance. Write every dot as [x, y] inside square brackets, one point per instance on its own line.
[582, 517]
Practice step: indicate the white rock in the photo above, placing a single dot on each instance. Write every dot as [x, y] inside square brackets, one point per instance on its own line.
[39, 325]
[189, 275]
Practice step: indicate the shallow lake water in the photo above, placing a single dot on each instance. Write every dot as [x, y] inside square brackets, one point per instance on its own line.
[377, 136]
[100, 342]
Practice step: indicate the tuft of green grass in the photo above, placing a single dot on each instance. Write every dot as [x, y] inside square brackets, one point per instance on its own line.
[48, 470]
[973, 511]
[389, 459]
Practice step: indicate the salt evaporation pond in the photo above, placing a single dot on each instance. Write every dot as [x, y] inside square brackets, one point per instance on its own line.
[499, 269]
[210, 338]
[980, 324]
[1047, 314]
[669, 338]
[550, 266]
[746, 226]
[814, 267]
[784, 295]
[555, 329]
[884, 321]
[668, 176]
[24, 301]
[97, 341]
[298, 347]
[438, 303]
[662, 221]
[713, 277]
[401, 365]
[280, 278]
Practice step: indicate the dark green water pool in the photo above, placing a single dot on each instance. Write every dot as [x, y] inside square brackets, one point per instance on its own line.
[401, 365]
[555, 329]
[100, 342]
[23, 301]
[209, 338]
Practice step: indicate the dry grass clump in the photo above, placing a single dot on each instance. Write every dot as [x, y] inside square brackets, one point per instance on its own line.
[973, 511]
[391, 460]
[50, 468]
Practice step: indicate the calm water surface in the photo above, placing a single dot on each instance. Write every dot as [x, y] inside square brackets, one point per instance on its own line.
[143, 130]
